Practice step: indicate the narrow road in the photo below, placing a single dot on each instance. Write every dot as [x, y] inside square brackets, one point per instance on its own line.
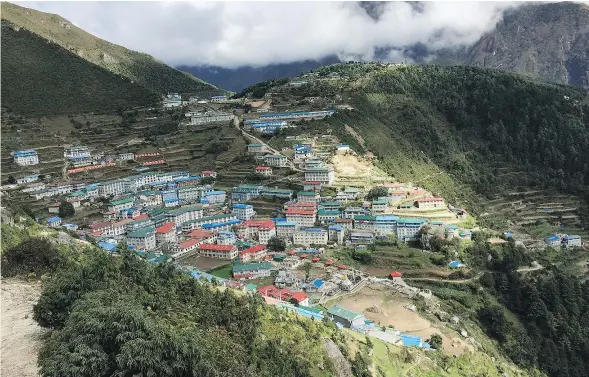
[462, 281]
[259, 141]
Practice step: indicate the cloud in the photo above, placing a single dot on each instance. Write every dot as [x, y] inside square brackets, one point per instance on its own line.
[232, 34]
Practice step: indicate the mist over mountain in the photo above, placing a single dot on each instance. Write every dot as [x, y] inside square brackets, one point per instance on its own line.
[547, 41]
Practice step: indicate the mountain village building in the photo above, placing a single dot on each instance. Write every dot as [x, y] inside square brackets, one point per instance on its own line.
[26, 157]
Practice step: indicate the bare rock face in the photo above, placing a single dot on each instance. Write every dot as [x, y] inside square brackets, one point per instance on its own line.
[341, 365]
[548, 41]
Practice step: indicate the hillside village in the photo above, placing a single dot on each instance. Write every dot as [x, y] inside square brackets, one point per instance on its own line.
[278, 230]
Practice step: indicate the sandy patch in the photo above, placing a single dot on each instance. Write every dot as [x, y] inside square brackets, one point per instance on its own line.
[389, 308]
[21, 336]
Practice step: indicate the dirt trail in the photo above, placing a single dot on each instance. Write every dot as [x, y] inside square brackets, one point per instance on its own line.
[21, 336]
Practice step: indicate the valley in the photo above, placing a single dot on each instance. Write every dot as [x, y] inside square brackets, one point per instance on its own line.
[356, 220]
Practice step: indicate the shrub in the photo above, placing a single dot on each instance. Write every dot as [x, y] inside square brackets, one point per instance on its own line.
[35, 255]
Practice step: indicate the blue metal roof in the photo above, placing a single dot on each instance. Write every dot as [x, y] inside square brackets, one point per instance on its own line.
[218, 225]
[386, 218]
[335, 227]
[216, 192]
[242, 206]
[25, 152]
[53, 219]
[455, 264]
[266, 124]
[107, 246]
[286, 223]
[318, 283]
[553, 238]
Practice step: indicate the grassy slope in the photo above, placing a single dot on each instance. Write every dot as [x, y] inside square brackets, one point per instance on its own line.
[41, 78]
[141, 68]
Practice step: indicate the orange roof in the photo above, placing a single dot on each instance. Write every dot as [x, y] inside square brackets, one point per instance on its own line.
[342, 267]
[258, 224]
[294, 211]
[199, 233]
[166, 228]
[141, 217]
[396, 274]
[303, 256]
[188, 243]
[100, 225]
[291, 252]
[299, 296]
[311, 183]
[254, 249]
[214, 247]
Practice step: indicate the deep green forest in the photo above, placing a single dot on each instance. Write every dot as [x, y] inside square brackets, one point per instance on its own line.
[119, 315]
[42, 78]
[510, 130]
[552, 308]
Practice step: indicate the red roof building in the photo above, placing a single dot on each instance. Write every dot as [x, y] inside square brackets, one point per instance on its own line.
[199, 233]
[315, 260]
[342, 267]
[254, 252]
[303, 212]
[328, 263]
[166, 228]
[263, 168]
[141, 217]
[191, 243]
[210, 250]
[396, 274]
[284, 294]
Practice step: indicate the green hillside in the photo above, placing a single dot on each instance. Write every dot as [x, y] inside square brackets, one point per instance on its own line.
[119, 315]
[140, 68]
[460, 130]
[42, 78]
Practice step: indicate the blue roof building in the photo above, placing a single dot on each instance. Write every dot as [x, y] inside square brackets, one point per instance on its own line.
[107, 246]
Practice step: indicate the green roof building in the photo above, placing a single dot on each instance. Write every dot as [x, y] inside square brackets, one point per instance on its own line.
[345, 317]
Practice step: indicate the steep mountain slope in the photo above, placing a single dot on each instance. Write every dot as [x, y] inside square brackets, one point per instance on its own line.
[448, 127]
[42, 78]
[138, 67]
[547, 41]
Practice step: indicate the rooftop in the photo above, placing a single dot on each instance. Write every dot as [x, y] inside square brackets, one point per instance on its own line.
[344, 313]
[251, 267]
[214, 247]
[307, 193]
[166, 228]
[141, 232]
[254, 249]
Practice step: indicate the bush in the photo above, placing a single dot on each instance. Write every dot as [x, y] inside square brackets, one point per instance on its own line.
[35, 255]
[66, 209]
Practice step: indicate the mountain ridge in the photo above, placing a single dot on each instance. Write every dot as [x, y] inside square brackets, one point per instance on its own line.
[140, 68]
[538, 53]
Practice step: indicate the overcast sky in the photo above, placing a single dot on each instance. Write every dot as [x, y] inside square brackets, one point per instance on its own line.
[232, 34]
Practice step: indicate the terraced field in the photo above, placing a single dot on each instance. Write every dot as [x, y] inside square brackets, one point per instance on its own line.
[534, 215]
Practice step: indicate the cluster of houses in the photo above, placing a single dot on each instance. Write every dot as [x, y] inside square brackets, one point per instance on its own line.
[565, 241]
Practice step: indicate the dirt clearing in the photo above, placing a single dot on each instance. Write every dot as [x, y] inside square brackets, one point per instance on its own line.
[381, 305]
[21, 336]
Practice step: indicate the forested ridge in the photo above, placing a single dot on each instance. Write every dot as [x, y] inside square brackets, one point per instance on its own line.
[552, 308]
[119, 315]
[42, 78]
[500, 120]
